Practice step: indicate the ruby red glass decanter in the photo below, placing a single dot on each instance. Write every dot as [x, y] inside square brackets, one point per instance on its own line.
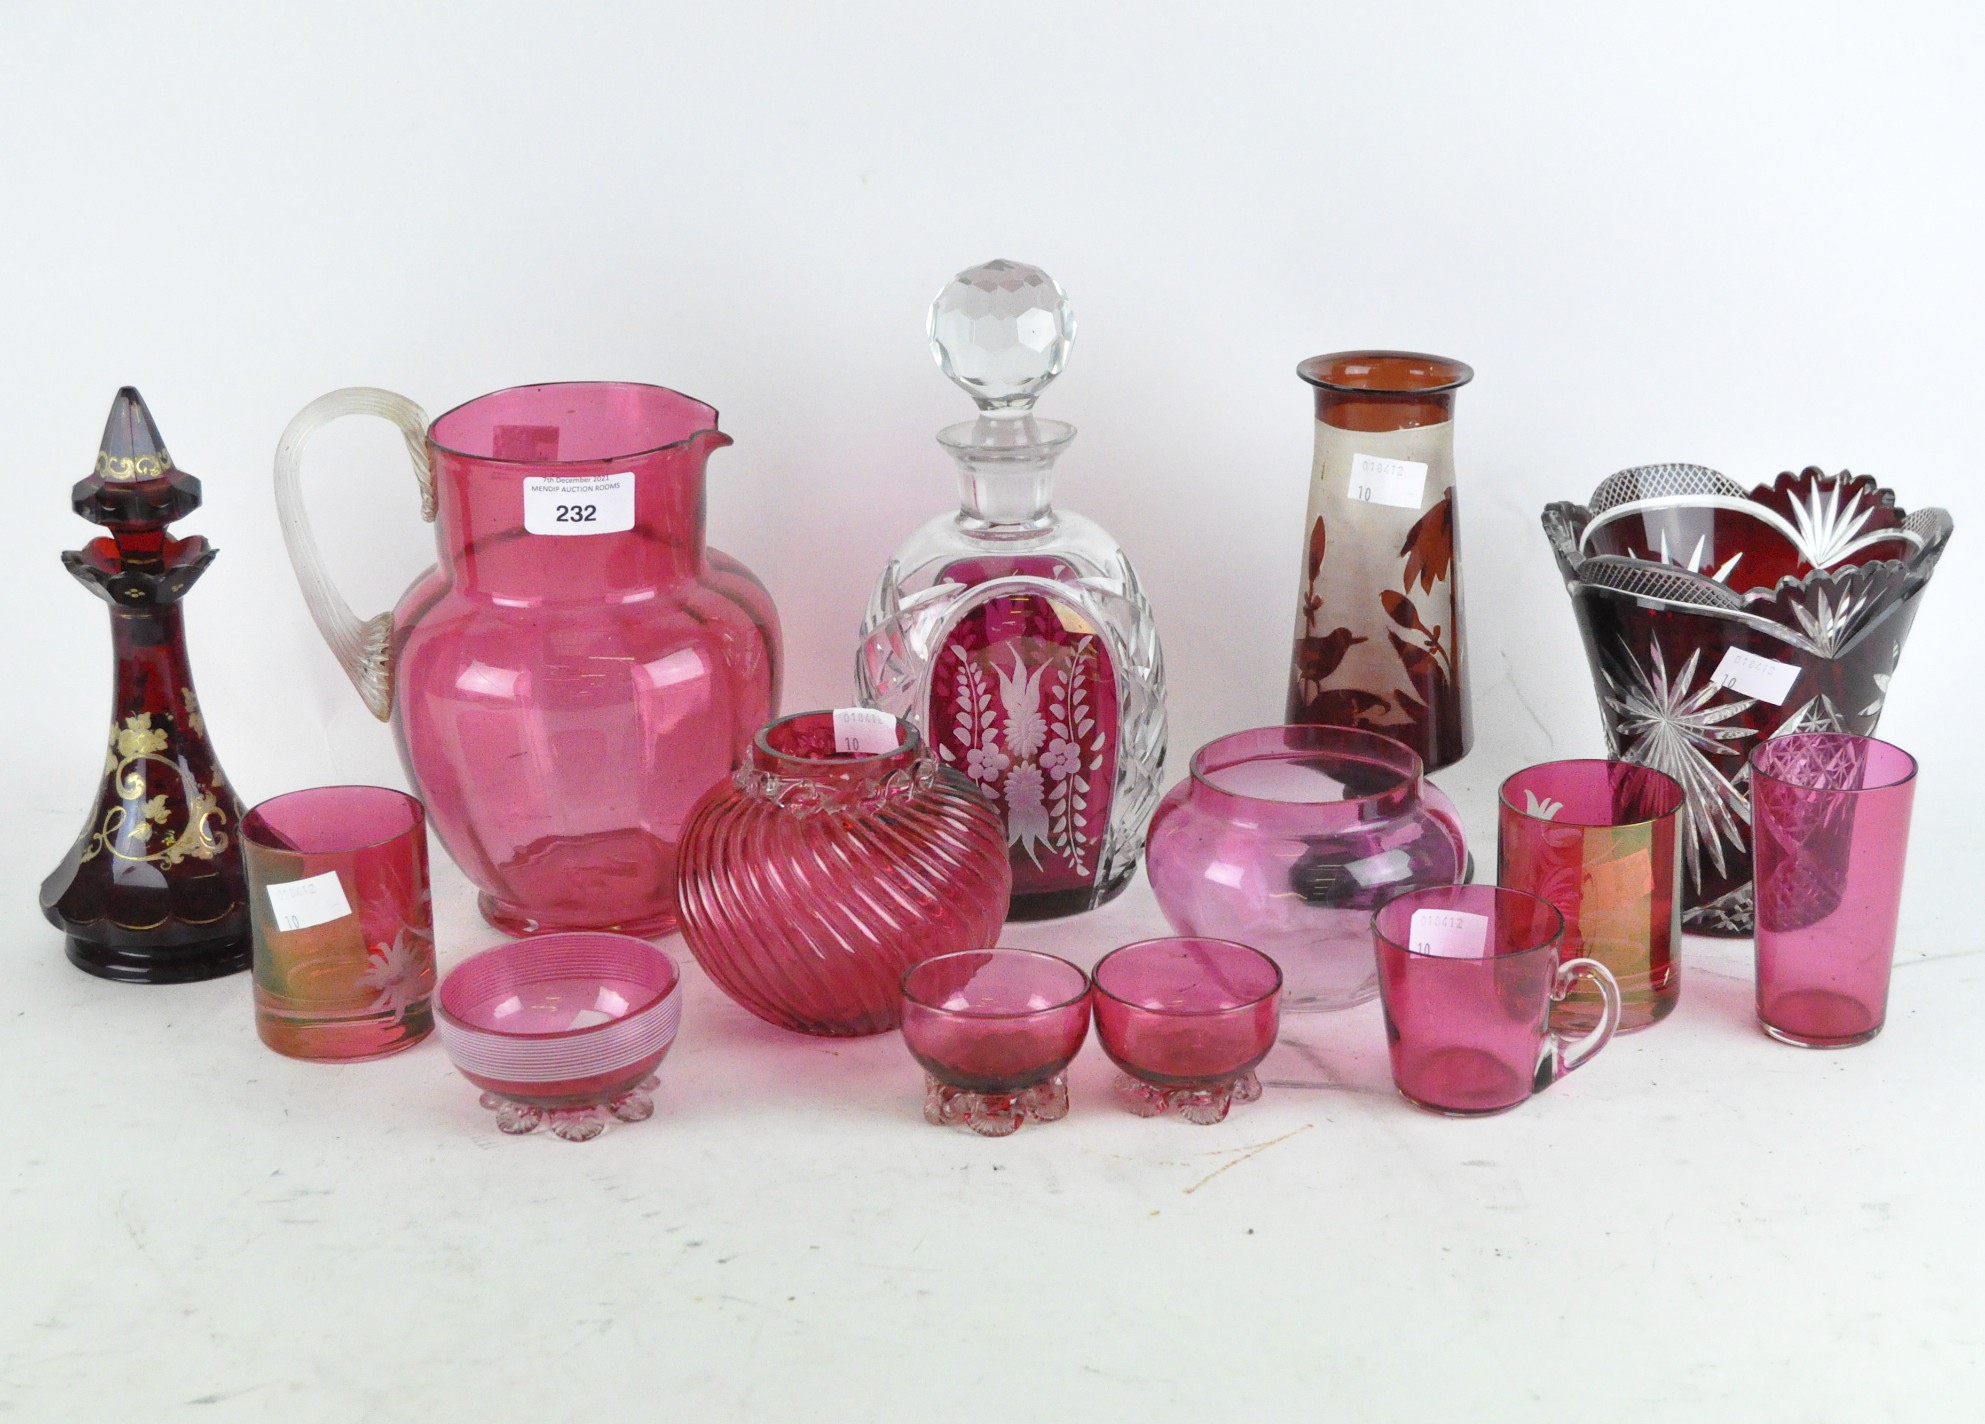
[153, 891]
[580, 666]
[1014, 634]
[1716, 618]
[840, 855]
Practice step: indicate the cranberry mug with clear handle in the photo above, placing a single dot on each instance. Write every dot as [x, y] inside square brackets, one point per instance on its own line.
[1468, 974]
[578, 667]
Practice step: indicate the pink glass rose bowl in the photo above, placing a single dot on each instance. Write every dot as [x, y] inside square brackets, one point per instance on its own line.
[815, 877]
[1286, 838]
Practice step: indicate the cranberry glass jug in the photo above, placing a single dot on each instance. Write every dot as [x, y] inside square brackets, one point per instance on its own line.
[578, 668]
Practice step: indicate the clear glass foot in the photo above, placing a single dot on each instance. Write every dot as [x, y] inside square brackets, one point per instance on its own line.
[1203, 1103]
[994, 1114]
[581, 1124]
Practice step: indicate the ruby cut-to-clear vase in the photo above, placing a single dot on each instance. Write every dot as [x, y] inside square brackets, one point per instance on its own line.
[1717, 619]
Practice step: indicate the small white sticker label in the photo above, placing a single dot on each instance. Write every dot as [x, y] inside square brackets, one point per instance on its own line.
[1749, 675]
[589, 504]
[1377, 480]
[299, 904]
[1450, 934]
[866, 731]
[1381, 869]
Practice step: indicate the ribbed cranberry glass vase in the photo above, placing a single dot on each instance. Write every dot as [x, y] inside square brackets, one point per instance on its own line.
[817, 876]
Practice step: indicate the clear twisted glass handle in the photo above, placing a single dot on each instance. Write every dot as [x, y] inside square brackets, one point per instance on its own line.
[1562, 1055]
[363, 648]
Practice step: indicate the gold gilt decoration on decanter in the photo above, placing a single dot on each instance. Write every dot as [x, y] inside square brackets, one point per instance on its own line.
[130, 829]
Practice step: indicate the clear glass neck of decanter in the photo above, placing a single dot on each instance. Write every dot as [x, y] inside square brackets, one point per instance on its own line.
[1006, 472]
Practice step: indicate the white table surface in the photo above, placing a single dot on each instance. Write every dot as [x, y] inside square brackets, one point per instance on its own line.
[1702, 1224]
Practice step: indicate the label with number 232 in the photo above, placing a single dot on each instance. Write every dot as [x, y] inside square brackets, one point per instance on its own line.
[587, 504]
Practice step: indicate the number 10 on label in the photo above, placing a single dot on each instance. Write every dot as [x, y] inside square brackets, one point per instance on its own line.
[1377, 480]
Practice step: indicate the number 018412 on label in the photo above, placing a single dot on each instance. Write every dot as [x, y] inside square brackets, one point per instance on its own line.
[1378, 480]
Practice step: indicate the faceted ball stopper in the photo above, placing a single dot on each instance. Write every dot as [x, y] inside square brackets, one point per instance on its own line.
[1002, 330]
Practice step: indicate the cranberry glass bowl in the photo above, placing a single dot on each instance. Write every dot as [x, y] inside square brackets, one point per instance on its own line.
[562, 1030]
[1716, 618]
[1286, 839]
[995, 1030]
[1187, 1020]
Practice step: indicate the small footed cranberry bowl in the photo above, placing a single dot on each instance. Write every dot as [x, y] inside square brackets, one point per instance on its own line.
[562, 1030]
[1187, 1020]
[995, 1030]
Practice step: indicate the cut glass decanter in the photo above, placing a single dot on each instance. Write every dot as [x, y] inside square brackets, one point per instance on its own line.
[1013, 634]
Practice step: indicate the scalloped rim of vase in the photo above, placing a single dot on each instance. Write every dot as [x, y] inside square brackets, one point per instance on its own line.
[1566, 524]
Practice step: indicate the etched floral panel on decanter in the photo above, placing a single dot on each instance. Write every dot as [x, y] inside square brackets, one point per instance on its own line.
[1015, 635]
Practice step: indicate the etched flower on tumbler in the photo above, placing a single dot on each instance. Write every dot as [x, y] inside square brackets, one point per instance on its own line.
[344, 923]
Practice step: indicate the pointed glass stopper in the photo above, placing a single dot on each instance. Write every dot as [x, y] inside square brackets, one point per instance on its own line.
[135, 481]
[132, 448]
[1002, 331]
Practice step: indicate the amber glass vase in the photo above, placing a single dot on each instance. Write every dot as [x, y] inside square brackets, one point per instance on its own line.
[1378, 621]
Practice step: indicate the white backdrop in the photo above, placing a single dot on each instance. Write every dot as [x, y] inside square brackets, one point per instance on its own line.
[1746, 236]
[1742, 236]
